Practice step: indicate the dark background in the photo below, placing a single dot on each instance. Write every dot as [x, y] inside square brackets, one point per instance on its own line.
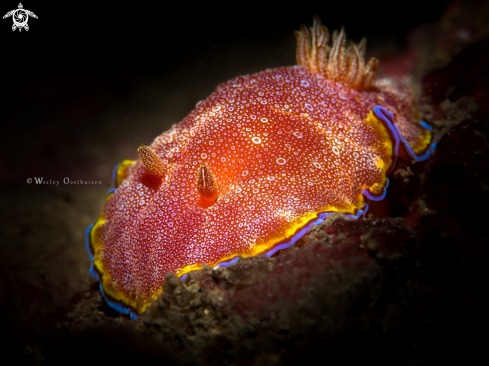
[82, 61]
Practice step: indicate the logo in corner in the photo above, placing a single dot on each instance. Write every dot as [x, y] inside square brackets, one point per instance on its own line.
[20, 17]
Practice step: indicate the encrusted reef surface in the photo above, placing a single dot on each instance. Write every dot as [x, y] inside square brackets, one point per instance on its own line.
[406, 285]
[271, 310]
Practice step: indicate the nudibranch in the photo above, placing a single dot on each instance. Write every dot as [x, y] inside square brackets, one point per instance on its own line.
[253, 166]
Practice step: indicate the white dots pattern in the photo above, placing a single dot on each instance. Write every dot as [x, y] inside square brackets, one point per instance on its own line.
[281, 144]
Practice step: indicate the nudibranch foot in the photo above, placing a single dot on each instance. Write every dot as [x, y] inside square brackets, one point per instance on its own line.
[90, 252]
[321, 217]
[121, 171]
[94, 272]
[291, 241]
[376, 197]
[424, 140]
[118, 305]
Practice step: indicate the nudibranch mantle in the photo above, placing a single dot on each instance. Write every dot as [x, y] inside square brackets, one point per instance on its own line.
[252, 167]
